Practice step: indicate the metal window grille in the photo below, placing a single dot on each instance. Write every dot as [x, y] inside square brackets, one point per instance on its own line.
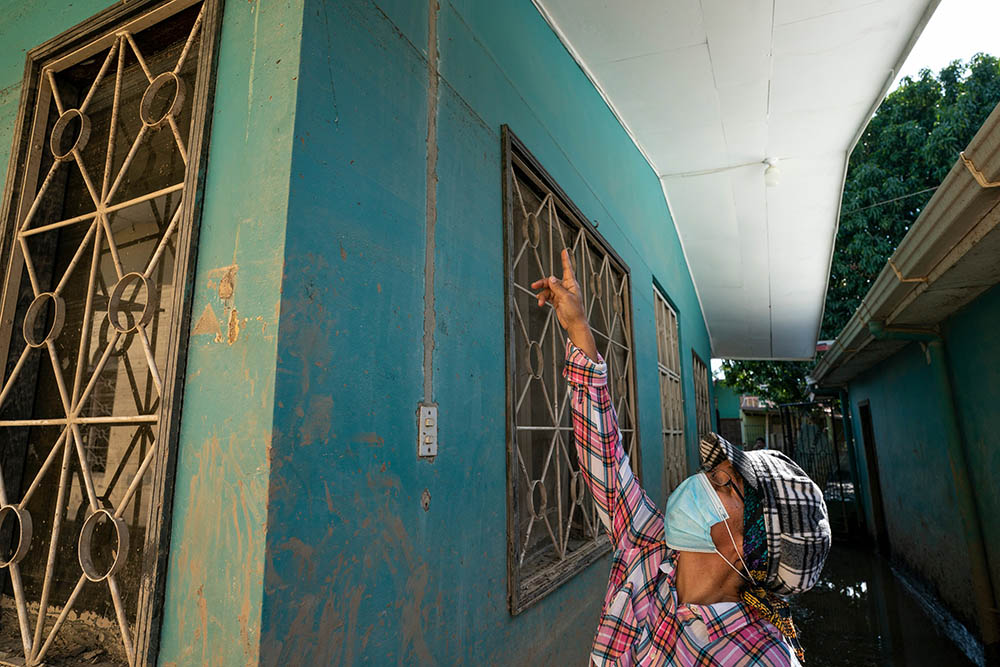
[553, 527]
[671, 393]
[702, 410]
[96, 240]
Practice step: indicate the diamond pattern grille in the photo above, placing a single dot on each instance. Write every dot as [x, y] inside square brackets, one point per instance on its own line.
[556, 520]
[671, 393]
[702, 408]
[90, 288]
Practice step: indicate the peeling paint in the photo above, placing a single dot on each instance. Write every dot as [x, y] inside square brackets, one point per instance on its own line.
[208, 323]
[234, 326]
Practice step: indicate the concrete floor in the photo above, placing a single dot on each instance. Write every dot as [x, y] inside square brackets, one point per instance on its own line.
[862, 613]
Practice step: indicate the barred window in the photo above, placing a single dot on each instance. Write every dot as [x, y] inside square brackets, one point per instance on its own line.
[671, 393]
[95, 245]
[553, 527]
[702, 408]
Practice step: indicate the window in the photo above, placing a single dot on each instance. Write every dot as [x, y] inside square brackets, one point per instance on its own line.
[702, 409]
[553, 528]
[95, 244]
[671, 393]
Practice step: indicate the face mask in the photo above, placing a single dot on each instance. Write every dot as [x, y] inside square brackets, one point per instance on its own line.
[692, 509]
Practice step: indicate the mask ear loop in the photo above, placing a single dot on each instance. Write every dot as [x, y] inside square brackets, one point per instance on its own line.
[738, 554]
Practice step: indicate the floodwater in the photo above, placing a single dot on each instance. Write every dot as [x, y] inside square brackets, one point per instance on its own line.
[862, 613]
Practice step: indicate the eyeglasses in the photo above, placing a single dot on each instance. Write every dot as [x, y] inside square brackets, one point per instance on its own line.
[721, 479]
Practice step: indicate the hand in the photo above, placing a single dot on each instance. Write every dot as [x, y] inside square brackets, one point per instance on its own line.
[564, 296]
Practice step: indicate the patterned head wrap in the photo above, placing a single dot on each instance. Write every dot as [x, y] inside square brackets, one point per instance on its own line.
[765, 603]
[754, 533]
[786, 530]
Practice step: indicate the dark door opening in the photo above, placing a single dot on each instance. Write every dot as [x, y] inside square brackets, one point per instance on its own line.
[874, 481]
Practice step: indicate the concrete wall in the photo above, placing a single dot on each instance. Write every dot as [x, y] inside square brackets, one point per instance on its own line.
[297, 532]
[727, 401]
[922, 517]
[355, 566]
[215, 573]
[217, 551]
[973, 341]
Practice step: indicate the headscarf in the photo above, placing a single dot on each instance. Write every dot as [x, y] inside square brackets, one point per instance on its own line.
[766, 604]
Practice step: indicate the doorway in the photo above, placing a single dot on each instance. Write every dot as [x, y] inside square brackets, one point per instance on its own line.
[874, 480]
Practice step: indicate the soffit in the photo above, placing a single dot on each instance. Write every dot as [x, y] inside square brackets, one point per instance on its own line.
[717, 86]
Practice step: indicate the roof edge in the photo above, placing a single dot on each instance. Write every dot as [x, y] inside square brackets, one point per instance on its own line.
[578, 59]
[932, 246]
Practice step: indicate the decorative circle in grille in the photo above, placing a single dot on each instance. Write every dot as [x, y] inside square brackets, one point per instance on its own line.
[37, 310]
[86, 545]
[123, 320]
[149, 99]
[531, 230]
[535, 359]
[23, 532]
[58, 142]
[537, 509]
[577, 489]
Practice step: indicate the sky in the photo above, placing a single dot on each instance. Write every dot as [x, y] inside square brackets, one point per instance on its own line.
[958, 29]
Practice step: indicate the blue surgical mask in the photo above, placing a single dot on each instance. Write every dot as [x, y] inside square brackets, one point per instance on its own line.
[692, 509]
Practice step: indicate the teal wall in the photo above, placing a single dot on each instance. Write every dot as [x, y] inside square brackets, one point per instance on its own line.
[297, 532]
[22, 29]
[924, 526]
[973, 343]
[727, 401]
[355, 566]
[217, 554]
[216, 567]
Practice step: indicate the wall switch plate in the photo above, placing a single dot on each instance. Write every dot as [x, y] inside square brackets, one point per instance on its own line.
[427, 428]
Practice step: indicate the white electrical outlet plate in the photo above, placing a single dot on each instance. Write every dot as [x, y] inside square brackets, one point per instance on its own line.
[428, 429]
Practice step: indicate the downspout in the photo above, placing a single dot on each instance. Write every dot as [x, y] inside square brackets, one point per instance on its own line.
[986, 605]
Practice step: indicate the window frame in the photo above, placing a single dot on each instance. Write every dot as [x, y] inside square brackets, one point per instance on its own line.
[659, 295]
[63, 51]
[561, 572]
[697, 362]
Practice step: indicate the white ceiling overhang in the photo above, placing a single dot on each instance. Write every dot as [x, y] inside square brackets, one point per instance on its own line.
[708, 89]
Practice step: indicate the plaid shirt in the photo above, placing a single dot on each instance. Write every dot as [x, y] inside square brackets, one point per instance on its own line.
[641, 621]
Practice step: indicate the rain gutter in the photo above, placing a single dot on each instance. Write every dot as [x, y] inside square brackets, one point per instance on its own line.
[952, 222]
[961, 213]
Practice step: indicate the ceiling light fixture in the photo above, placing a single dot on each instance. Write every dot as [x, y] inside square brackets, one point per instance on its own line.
[772, 175]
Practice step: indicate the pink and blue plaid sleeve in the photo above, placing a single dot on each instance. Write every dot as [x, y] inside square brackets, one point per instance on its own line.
[631, 518]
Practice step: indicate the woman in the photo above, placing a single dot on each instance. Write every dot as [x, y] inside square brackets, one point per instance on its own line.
[699, 585]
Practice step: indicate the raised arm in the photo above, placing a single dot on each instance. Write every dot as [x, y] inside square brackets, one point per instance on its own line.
[630, 517]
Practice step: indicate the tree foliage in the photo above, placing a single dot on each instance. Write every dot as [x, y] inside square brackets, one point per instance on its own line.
[907, 149]
[903, 155]
[777, 381]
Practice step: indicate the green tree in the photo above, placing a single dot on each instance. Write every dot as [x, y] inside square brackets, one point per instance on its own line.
[903, 155]
[905, 152]
[777, 381]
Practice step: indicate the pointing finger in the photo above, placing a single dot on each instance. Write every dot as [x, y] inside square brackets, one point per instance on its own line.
[567, 266]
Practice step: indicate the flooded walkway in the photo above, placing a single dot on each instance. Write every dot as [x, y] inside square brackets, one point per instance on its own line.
[862, 613]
